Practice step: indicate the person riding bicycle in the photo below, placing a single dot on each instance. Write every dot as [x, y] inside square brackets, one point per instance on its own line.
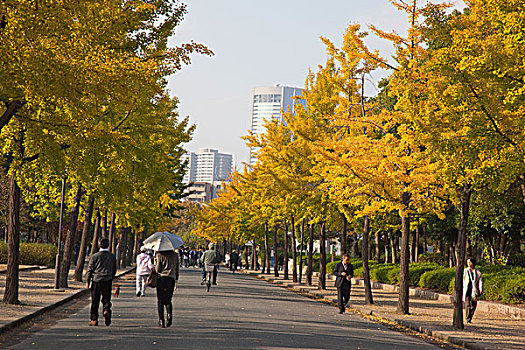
[211, 257]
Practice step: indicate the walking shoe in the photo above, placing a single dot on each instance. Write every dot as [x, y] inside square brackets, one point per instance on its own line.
[107, 317]
[161, 324]
[138, 294]
[203, 282]
[93, 323]
[169, 321]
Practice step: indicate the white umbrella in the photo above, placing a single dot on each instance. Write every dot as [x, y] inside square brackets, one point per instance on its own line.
[162, 241]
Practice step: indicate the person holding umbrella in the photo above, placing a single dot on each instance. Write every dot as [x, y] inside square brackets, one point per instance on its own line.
[167, 266]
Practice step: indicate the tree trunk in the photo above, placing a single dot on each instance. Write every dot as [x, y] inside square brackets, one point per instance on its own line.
[13, 244]
[112, 234]
[121, 250]
[266, 250]
[70, 240]
[246, 257]
[301, 253]
[135, 246]
[377, 247]
[402, 303]
[416, 242]
[275, 266]
[79, 270]
[366, 271]
[412, 243]
[386, 247]
[94, 243]
[252, 262]
[355, 247]
[424, 231]
[105, 224]
[457, 320]
[130, 247]
[309, 270]
[393, 246]
[286, 251]
[322, 256]
[344, 243]
[294, 251]
[10, 111]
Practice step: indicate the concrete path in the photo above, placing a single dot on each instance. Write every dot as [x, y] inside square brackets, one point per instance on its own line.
[239, 313]
[489, 330]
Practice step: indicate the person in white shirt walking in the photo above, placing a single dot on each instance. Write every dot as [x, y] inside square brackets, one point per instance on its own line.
[144, 266]
[472, 288]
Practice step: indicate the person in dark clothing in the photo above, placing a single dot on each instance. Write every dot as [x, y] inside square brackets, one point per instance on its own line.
[344, 271]
[234, 260]
[167, 266]
[101, 271]
[280, 262]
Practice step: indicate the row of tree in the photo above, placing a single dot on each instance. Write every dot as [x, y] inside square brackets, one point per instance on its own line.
[445, 129]
[85, 106]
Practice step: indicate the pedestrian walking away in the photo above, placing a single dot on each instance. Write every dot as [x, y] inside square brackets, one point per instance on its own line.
[167, 266]
[344, 271]
[210, 257]
[144, 266]
[472, 288]
[101, 271]
[234, 260]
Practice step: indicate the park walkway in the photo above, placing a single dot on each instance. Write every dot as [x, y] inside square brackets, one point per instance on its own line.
[240, 312]
[489, 330]
[36, 294]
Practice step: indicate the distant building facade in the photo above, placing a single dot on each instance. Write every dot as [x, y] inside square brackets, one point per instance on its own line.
[207, 170]
[267, 103]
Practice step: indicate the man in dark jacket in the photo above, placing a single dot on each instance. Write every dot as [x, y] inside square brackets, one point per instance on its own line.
[344, 271]
[100, 274]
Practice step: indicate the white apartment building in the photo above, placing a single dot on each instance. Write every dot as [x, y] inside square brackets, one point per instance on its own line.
[267, 103]
[208, 165]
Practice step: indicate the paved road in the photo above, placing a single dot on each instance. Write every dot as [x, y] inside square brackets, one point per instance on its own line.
[240, 313]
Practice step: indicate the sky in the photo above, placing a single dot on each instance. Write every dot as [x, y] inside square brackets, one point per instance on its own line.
[261, 43]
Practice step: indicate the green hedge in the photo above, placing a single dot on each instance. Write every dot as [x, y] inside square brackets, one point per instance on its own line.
[32, 254]
[501, 283]
[437, 258]
[438, 279]
[516, 260]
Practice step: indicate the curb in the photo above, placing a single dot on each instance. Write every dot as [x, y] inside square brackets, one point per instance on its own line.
[360, 311]
[29, 268]
[81, 293]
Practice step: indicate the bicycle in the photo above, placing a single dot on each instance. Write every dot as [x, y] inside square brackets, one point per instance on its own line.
[209, 276]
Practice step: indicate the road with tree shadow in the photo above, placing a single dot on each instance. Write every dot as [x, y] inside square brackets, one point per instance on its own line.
[239, 313]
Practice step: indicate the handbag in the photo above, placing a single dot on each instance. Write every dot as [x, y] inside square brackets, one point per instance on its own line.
[153, 276]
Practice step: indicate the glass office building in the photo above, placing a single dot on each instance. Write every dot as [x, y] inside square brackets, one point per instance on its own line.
[269, 102]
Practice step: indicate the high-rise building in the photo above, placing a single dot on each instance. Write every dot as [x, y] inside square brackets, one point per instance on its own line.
[207, 166]
[268, 102]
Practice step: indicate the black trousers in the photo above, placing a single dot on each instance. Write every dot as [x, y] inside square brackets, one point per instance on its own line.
[98, 290]
[470, 306]
[343, 295]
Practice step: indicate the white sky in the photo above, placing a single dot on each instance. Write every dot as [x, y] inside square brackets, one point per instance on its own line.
[260, 43]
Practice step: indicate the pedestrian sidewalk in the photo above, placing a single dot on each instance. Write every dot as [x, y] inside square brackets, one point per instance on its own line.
[37, 295]
[489, 330]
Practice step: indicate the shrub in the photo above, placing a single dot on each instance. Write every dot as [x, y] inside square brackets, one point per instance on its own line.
[384, 272]
[417, 269]
[437, 279]
[436, 258]
[517, 260]
[32, 254]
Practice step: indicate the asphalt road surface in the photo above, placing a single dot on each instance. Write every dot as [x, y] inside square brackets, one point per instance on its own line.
[239, 313]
